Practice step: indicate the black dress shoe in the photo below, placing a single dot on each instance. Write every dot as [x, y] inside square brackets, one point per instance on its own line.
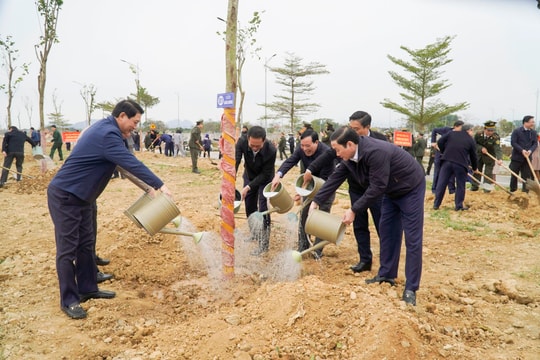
[409, 297]
[361, 266]
[74, 311]
[101, 261]
[100, 294]
[381, 279]
[465, 208]
[101, 277]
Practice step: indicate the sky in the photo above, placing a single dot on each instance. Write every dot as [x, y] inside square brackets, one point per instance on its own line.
[181, 59]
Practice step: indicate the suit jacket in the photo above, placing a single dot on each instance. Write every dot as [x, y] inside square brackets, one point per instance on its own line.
[522, 139]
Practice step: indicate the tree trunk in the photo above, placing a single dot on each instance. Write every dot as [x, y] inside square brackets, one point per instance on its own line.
[228, 144]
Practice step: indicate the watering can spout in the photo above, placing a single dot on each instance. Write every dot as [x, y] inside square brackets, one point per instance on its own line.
[197, 237]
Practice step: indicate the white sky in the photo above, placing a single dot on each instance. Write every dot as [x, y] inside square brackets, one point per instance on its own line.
[181, 58]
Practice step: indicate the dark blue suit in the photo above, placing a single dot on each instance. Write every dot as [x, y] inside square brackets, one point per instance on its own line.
[388, 171]
[71, 197]
[437, 161]
[521, 139]
[458, 150]
[323, 172]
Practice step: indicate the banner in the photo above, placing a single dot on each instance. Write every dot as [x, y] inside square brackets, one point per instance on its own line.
[403, 138]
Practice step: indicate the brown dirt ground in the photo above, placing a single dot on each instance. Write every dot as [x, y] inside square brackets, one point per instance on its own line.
[479, 296]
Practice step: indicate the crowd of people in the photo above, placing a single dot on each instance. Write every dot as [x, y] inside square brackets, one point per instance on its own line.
[384, 180]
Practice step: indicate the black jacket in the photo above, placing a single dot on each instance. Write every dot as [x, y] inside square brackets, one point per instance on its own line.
[458, 147]
[382, 168]
[14, 141]
[259, 168]
[522, 139]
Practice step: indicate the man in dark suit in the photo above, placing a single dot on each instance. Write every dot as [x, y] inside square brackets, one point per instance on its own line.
[259, 158]
[524, 142]
[360, 122]
[383, 170]
[458, 151]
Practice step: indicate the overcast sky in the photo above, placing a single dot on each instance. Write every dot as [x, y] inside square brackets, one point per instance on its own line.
[181, 58]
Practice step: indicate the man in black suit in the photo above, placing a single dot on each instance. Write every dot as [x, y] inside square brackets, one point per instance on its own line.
[360, 122]
[524, 141]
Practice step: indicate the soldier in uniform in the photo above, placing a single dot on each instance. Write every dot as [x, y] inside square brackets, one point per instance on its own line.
[487, 141]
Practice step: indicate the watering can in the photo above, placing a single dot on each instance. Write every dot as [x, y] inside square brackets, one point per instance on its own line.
[325, 226]
[237, 200]
[312, 187]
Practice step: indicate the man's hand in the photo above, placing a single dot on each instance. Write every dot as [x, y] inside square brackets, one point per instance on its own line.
[526, 153]
[275, 182]
[348, 217]
[484, 150]
[164, 189]
[244, 191]
[307, 177]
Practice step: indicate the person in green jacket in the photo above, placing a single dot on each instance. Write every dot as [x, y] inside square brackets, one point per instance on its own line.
[56, 143]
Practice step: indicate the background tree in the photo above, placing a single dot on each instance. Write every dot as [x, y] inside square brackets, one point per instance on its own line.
[48, 10]
[145, 100]
[505, 127]
[57, 117]
[9, 59]
[88, 94]
[298, 87]
[421, 107]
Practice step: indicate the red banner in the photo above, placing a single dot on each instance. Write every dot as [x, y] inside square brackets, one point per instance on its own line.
[403, 138]
[70, 136]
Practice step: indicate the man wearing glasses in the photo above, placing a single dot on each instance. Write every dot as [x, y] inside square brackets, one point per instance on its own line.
[487, 142]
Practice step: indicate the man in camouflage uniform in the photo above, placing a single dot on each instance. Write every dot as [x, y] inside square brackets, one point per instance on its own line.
[487, 141]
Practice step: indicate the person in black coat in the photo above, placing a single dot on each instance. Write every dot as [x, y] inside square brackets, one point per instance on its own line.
[383, 169]
[13, 149]
[524, 142]
[458, 152]
[309, 150]
[259, 158]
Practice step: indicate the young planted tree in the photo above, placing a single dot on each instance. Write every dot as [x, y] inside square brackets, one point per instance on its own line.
[297, 87]
[48, 10]
[9, 60]
[423, 84]
[246, 44]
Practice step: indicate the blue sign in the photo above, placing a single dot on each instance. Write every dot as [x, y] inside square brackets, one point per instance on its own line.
[225, 100]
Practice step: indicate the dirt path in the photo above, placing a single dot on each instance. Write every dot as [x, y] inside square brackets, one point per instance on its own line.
[479, 296]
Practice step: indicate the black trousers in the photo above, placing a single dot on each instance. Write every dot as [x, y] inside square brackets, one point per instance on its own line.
[75, 243]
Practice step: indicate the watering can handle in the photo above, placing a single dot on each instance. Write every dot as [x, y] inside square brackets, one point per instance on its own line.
[141, 184]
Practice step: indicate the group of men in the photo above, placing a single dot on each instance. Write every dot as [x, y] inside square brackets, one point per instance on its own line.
[382, 178]
[459, 152]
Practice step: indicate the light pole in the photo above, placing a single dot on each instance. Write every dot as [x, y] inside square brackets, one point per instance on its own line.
[265, 90]
[178, 108]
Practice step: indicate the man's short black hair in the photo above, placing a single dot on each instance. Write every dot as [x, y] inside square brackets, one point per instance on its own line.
[256, 132]
[527, 118]
[343, 135]
[310, 133]
[130, 107]
[362, 117]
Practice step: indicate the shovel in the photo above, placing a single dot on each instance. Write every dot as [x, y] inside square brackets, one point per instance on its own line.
[532, 171]
[529, 184]
[493, 181]
[18, 173]
[480, 184]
